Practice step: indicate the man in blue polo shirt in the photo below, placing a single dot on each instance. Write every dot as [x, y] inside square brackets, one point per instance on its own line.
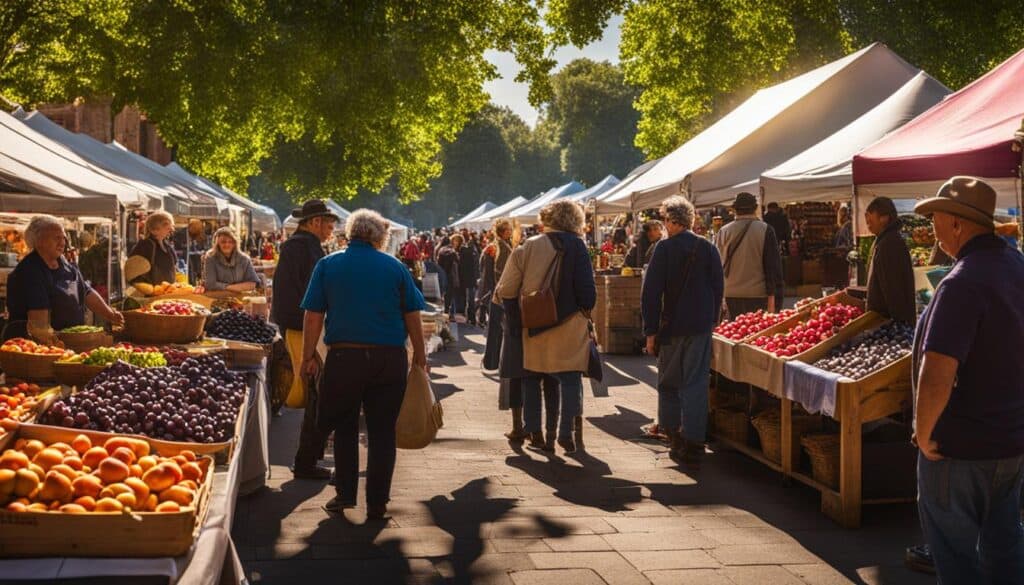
[969, 386]
[370, 305]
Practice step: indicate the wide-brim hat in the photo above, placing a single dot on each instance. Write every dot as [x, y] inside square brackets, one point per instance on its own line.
[313, 208]
[744, 201]
[966, 197]
[135, 266]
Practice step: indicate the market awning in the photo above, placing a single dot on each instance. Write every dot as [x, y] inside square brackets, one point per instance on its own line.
[477, 212]
[824, 172]
[39, 175]
[484, 221]
[772, 126]
[596, 190]
[611, 202]
[968, 133]
[264, 219]
[202, 204]
[528, 211]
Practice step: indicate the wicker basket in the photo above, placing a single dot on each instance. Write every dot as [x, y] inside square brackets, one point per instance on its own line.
[769, 430]
[84, 342]
[157, 329]
[732, 424]
[823, 449]
[75, 374]
[27, 366]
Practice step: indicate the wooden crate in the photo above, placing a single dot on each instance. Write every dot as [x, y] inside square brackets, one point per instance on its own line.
[134, 534]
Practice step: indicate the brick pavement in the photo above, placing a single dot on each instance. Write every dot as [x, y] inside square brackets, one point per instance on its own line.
[469, 509]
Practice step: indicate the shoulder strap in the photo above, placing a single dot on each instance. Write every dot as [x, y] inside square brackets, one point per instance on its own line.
[733, 247]
[672, 298]
[551, 279]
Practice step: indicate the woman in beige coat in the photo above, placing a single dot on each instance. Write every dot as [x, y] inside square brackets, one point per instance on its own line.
[562, 350]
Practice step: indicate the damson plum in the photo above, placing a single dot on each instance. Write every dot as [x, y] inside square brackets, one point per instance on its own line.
[869, 351]
[165, 402]
[240, 326]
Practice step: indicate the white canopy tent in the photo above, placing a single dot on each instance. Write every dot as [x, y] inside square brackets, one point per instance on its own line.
[824, 172]
[477, 212]
[609, 202]
[527, 213]
[40, 175]
[596, 190]
[772, 126]
[485, 220]
[204, 205]
[263, 218]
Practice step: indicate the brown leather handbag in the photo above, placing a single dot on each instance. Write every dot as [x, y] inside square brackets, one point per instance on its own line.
[539, 308]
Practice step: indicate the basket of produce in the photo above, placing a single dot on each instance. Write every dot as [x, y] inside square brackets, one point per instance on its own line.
[79, 369]
[22, 402]
[140, 501]
[236, 325]
[82, 338]
[823, 450]
[25, 359]
[769, 431]
[730, 334]
[197, 403]
[166, 321]
[732, 424]
[75, 373]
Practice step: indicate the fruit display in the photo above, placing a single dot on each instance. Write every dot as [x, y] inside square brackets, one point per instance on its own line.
[82, 329]
[164, 288]
[22, 345]
[804, 302]
[822, 324]
[240, 326]
[748, 324]
[869, 351]
[919, 236]
[175, 307]
[227, 303]
[19, 402]
[121, 475]
[104, 356]
[197, 401]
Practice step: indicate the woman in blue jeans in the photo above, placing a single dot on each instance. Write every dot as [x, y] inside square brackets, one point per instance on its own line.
[561, 350]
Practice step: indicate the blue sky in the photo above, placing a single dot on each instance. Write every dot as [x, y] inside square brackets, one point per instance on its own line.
[506, 92]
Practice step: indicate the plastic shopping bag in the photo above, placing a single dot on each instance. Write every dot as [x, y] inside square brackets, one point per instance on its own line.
[420, 416]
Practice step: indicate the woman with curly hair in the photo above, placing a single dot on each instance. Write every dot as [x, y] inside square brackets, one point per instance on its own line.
[563, 349]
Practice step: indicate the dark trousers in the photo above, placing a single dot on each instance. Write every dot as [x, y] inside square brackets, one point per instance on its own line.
[552, 397]
[970, 514]
[372, 380]
[738, 306]
[492, 351]
[456, 301]
[470, 304]
[311, 440]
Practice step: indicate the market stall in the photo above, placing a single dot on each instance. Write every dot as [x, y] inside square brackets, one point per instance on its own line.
[527, 213]
[486, 220]
[475, 213]
[813, 377]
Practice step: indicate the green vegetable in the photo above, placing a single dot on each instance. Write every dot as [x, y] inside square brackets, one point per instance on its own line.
[82, 329]
[104, 356]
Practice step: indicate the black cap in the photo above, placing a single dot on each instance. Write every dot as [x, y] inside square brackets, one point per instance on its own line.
[313, 208]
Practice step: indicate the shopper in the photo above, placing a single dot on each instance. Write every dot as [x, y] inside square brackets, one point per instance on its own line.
[562, 350]
[469, 272]
[969, 394]
[640, 254]
[776, 217]
[153, 259]
[497, 255]
[682, 292]
[448, 260]
[45, 292]
[891, 272]
[226, 267]
[370, 305]
[750, 260]
[298, 255]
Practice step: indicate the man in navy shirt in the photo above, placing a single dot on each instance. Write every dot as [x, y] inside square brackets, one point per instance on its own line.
[969, 386]
[370, 305]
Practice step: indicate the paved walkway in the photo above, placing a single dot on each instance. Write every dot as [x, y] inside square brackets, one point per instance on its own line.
[469, 509]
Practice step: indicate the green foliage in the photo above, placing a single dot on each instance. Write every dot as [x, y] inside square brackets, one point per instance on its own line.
[332, 96]
[592, 109]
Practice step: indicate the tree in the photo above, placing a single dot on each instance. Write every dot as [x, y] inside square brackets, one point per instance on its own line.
[350, 95]
[592, 108]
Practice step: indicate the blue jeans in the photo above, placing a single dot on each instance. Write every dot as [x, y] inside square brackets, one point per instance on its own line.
[970, 514]
[684, 373]
[571, 385]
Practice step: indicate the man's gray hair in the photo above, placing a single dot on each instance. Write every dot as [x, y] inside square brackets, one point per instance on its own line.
[37, 226]
[678, 210]
[369, 226]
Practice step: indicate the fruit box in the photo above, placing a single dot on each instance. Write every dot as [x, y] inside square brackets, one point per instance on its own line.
[725, 352]
[127, 534]
[764, 370]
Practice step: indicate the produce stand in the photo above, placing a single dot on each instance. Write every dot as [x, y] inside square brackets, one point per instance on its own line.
[884, 392]
[212, 555]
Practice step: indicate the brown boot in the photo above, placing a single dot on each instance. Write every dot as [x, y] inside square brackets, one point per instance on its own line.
[517, 435]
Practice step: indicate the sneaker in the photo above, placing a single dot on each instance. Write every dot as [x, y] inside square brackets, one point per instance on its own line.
[919, 558]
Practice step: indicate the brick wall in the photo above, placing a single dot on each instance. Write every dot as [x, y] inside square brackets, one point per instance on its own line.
[129, 127]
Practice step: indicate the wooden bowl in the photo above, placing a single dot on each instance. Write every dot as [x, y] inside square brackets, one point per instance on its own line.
[155, 329]
[27, 366]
